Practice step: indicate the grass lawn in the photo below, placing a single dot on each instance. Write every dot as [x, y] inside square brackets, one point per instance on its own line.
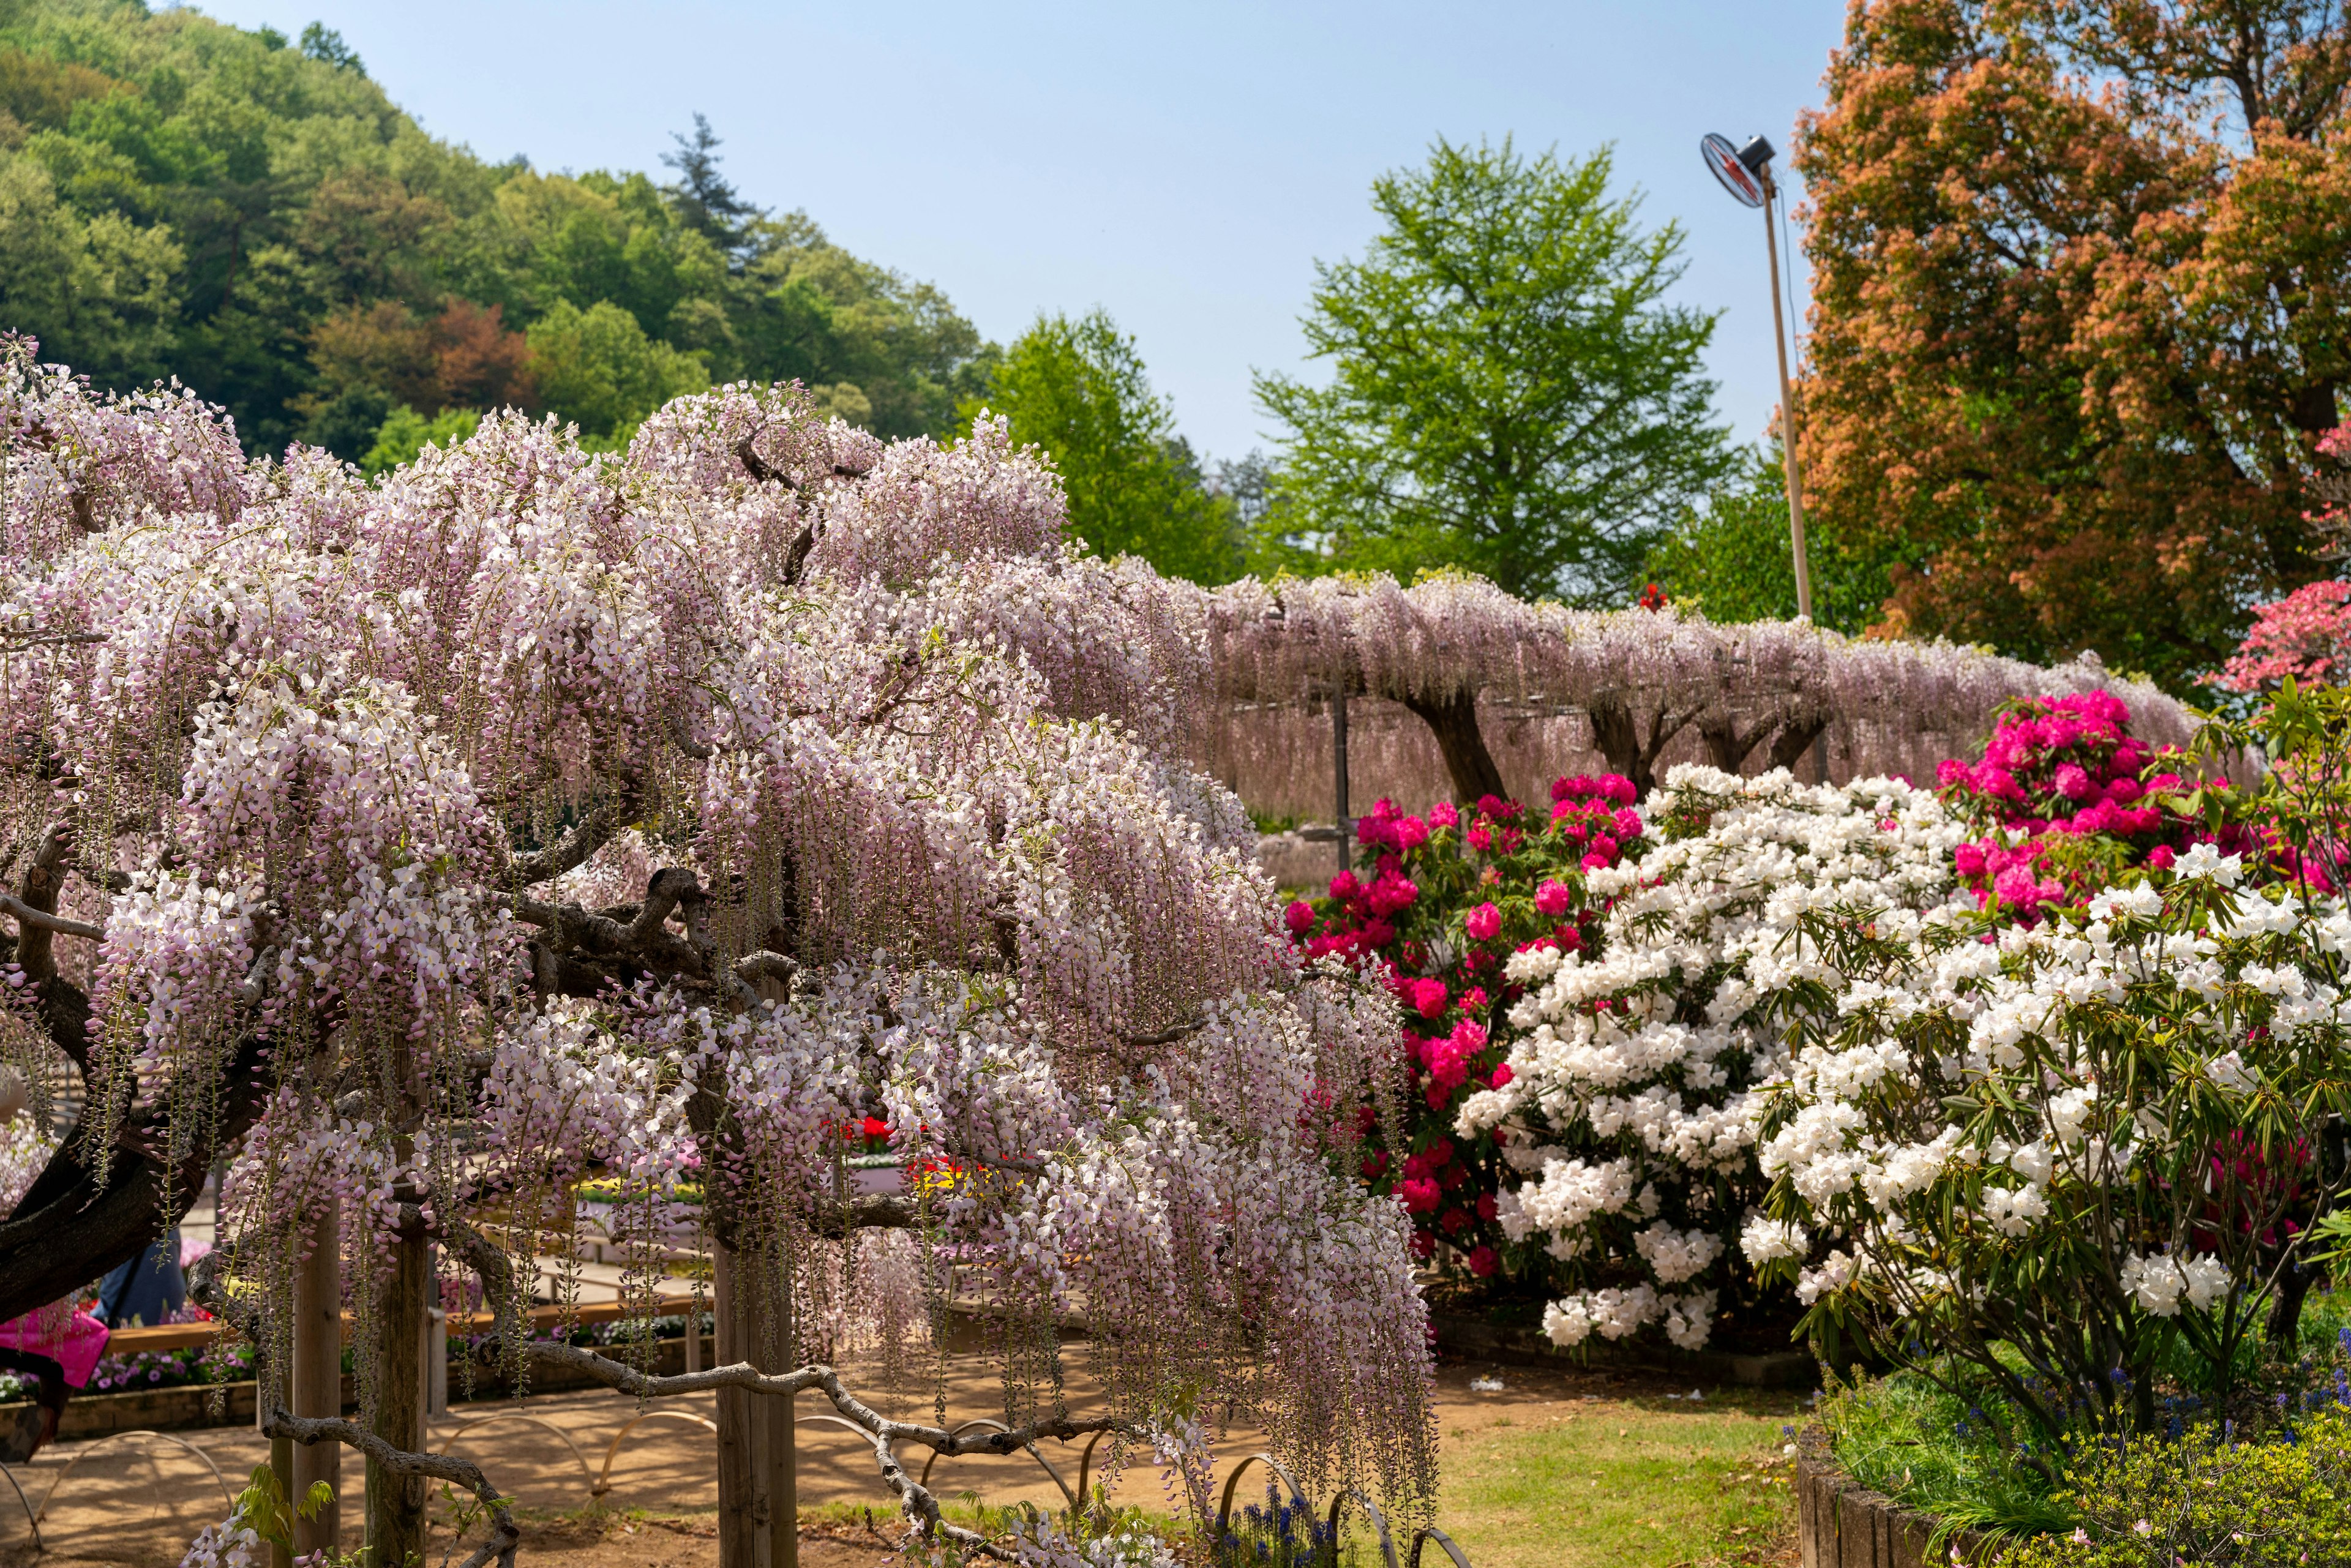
[1568, 1470]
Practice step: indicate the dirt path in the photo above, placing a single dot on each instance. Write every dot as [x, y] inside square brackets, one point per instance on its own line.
[1556, 1467]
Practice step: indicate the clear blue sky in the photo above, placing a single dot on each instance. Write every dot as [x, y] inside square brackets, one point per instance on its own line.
[1183, 165]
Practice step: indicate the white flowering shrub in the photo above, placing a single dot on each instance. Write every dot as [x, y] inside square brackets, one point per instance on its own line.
[2057, 1156]
[1636, 1083]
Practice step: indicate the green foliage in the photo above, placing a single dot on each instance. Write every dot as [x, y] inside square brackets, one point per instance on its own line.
[1731, 560]
[407, 433]
[264, 1508]
[2150, 1503]
[1928, 1447]
[598, 369]
[1078, 389]
[1509, 395]
[184, 198]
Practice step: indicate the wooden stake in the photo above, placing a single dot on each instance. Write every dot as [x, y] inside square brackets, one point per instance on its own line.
[1339, 769]
[759, 1493]
[318, 1380]
[396, 1504]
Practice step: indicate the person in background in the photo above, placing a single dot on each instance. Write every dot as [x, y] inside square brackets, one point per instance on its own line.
[147, 1289]
[57, 1348]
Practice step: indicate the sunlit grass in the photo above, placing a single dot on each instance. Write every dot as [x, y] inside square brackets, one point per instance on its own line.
[1636, 1482]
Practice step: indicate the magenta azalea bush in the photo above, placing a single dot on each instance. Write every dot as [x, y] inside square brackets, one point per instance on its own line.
[2067, 800]
[2304, 637]
[1446, 899]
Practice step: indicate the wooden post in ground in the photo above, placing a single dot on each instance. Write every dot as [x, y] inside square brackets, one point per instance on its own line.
[318, 1380]
[1338, 780]
[758, 1492]
[281, 1462]
[396, 1504]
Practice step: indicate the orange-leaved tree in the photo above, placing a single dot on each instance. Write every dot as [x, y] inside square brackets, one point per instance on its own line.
[2081, 280]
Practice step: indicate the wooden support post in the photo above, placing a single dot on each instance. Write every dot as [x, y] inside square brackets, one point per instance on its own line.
[758, 1492]
[1339, 771]
[395, 1530]
[281, 1460]
[318, 1380]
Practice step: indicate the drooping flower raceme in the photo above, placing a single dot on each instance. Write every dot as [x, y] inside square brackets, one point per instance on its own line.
[668, 818]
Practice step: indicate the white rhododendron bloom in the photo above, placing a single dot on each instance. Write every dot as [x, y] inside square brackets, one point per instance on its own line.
[2162, 1064]
[1638, 1071]
[2159, 1284]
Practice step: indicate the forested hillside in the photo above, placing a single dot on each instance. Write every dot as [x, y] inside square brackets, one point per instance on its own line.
[254, 216]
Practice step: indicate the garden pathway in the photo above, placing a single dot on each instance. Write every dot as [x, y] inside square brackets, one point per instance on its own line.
[1556, 1469]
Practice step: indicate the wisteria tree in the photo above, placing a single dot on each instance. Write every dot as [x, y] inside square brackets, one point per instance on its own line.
[432, 844]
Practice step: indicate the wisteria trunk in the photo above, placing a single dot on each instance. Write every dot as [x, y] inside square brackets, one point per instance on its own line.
[396, 1504]
[758, 1487]
[317, 1381]
[1454, 721]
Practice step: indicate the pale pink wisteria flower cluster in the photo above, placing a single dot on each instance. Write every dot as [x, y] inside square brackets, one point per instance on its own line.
[528, 815]
[1561, 691]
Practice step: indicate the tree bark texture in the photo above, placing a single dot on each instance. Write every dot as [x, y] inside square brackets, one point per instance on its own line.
[317, 1382]
[396, 1504]
[1454, 721]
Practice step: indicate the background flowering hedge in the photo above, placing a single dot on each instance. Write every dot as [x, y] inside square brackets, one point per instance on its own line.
[1599, 1002]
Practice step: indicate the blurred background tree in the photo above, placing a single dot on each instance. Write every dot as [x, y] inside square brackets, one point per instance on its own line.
[1730, 558]
[179, 197]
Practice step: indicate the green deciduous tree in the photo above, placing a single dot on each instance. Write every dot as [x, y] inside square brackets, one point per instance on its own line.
[405, 433]
[96, 290]
[1509, 393]
[1077, 389]
[597, 368]
[259, 219]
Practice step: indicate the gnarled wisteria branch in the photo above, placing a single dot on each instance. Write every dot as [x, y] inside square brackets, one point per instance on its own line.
[24, 914]
[920, 1505]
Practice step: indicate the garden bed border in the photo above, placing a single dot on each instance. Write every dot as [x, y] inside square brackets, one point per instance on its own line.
[1477, 1339]
[1840, 1523]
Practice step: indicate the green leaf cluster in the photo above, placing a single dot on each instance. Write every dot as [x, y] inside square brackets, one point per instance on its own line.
[1730, 558]
[179, 197]
[1509, 393]
[1077, 389]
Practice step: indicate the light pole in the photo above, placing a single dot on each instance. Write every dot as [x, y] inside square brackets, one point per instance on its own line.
[1746, 173]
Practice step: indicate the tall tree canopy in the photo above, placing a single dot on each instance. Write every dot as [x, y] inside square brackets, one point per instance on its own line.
[1509, 395]
[182, 198]
[2081, 281]
[1077, 389]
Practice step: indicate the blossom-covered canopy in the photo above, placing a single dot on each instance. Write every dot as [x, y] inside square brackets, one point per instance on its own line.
[529, 813]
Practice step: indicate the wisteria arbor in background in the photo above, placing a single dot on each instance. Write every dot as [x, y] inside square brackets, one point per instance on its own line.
[1644, 680]
[531, 812]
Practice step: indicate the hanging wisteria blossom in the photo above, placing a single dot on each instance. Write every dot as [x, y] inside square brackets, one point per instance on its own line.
[670, 817]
